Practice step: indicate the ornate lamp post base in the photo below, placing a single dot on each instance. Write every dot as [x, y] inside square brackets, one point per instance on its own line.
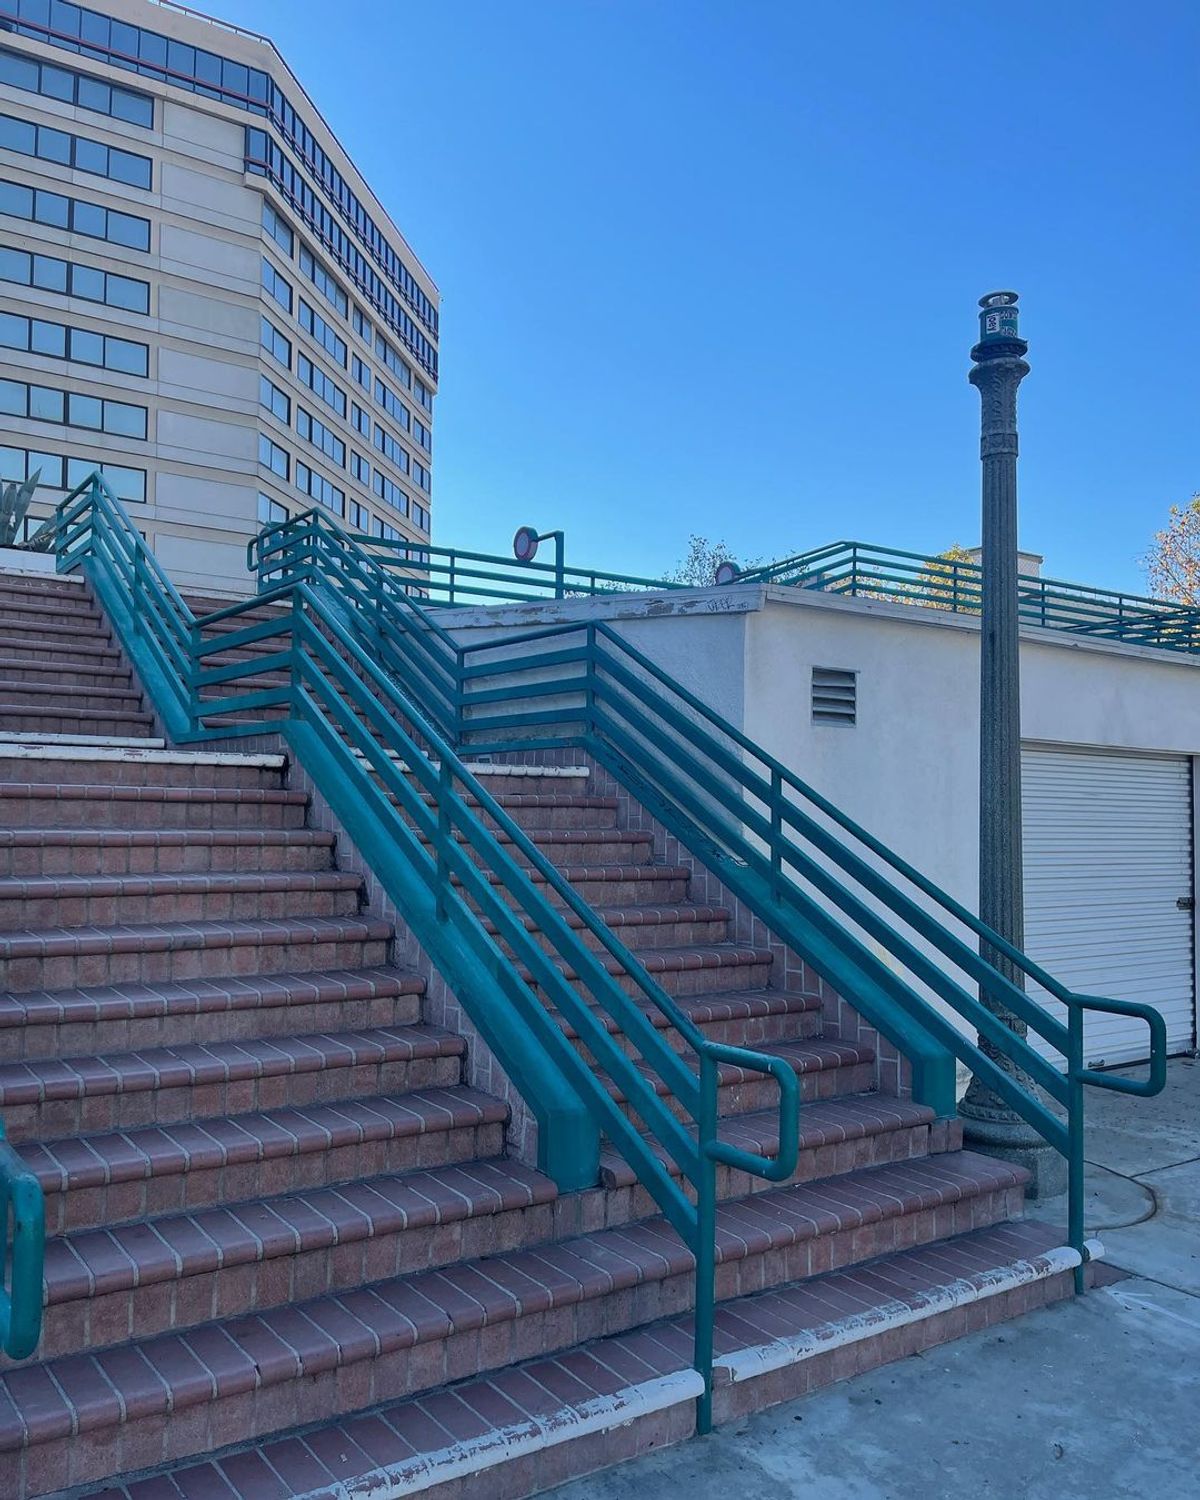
[991, 1127]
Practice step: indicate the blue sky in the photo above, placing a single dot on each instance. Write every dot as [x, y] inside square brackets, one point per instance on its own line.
[712, 265]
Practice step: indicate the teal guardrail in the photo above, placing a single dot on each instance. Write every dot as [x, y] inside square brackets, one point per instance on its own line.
[463, 873]
[907, 956]
[862, 570]
[452, 576]
[22, 1252]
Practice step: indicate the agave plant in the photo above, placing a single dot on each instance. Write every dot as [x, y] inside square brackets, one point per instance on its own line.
[14, 505]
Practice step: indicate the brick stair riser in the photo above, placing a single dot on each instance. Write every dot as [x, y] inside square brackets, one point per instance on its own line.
[500, 785]
[756, 1094]
[535, 820]
[31, 1043]
[63, 676]
[84, 771]
[393, 1374]
[627, 1204]
[35, 694]
[562, 850]
[54, 619]
[705, 981]
[241, 1287]
[55, 1119]
[208, 906]
[31, 644]
[77, 971]
[167, 858]
[600, 890]
[208, 1187]
[732, 1401]
[16, 720]
[752, 1031]
[645, 937]
[148, 814]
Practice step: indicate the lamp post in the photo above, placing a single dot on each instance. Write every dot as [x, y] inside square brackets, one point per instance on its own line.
[989, 1124]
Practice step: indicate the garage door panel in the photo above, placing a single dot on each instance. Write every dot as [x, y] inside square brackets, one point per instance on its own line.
[1108, 854]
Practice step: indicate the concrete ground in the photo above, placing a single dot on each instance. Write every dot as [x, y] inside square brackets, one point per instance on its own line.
[1098, 1397]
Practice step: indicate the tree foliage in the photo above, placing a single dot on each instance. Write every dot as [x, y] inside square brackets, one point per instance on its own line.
[698, 567]
[1173, 562]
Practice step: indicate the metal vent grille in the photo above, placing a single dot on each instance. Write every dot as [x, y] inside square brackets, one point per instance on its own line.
[834, 696]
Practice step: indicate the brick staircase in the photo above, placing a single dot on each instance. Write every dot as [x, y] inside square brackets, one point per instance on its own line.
[289, 1250]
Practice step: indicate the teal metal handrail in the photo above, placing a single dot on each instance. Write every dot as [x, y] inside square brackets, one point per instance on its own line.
[22, 1252]
[462, 871]
[863, 570]
[452, 576]
[808, 871]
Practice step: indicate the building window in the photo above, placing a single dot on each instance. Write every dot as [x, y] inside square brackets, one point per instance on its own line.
[391, 493]
[320, 489]
[420, 517]
[361, 372]
[61, 473]
[43, 403]
[76, 151]
[314, 431]
[392, 404]
[391, 449]
[75, 215]
[21, 72]
[421, 474]
[392, 360]
[360, 420]
[323, 281]
[278, 347]
[360, 468]
[359, 517]
[315, 325]
[277, 402]
[422, 434]
[362, 326]
[273, 457]
[321, 384]
[52, 274]
[424, 395]
[270, 512]
[60, 341]
[276, 286]
[277, 228]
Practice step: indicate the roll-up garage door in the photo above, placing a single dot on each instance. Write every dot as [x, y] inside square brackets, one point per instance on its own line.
[1109, 888]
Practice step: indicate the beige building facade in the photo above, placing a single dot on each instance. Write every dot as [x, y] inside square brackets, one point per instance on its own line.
[199, 293]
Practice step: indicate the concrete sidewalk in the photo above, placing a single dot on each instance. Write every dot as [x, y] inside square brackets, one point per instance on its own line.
[1098, 1397]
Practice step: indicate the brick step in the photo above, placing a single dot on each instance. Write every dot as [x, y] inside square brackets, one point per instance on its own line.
[149, 807]
[583, 846]
[521, 1430]
[53, 617]
[690, 971]
[643, 928]
[174, 1272]
[247, 896]
[32, 643]
[546, 810]
[824, 1070]
[60, 958]
[34, 692]
[74, 1023]
[619, 885]
[66, 672]
[149, 851]
[837, 1136]
[127, 1090]
[48, 590]
[85, 1416]
[162, 1169]
[60, 719]
[740, 1018]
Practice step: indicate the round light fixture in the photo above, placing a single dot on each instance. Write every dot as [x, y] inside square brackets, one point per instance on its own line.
[525, 544]
[727, 572]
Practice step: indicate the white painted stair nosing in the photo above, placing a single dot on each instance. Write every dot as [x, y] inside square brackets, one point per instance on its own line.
[131, 751]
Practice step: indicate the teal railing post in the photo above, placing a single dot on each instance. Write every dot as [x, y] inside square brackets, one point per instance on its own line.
[705, 1248]
[445, 782]
[776, 831]
[560, 564]
[954, 588]
[1075, 1139]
